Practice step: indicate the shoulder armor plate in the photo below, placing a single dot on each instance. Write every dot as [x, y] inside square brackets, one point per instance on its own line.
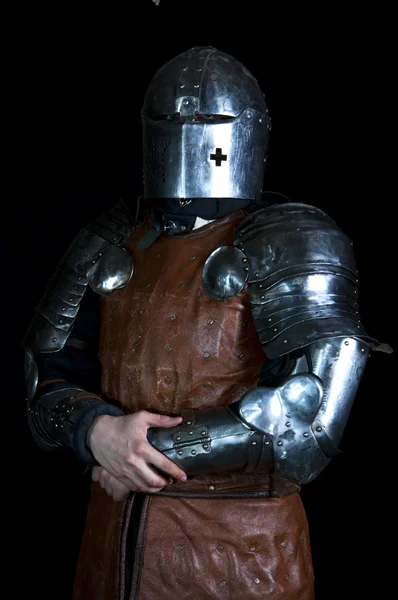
[303, 279]
[94, 258]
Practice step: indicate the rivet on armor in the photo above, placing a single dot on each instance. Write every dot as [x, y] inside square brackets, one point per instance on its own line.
[246, 268]
[179, 452]
[100, 253]
[249, 115]
[178, 438]
[256, 274]
[205, 446]
[288, 423]
[254, 443]
[179, 548]
[148, 284]
[275, 329]
[241, 357]
[346, 342]
[188, 422]
[220, 548]
[285, 341]
[302, 538]
[80, 278]
[263, 298]
[71, 299]
[178, 580]
[205, 385]
[260, 285]
[223, 583]
[183, 227]
[256, 580]
[64, 308]
[244, 260]
[203, 432]
[111, 342]
[362, 349]
[192, 257]
[140, 311]
[211, 487]
[75, 287]
[198, 293]
[245, 324]
[190, 432]
[306, 434]
[173, 317]
[54, 340]
[199, 69]
[252, 548]
[167, 380]
[210, 321]
[181, 284]
[158, 256]
[93, 262]
[269, 319]
[206, 354]
[193, 452]
[182, 86]
[60, 321]
[196, 85]
[283, 544]
[319, 428]
[267, 443]
[280, 443]
[169, 348]
[114, 238]
[288, 577]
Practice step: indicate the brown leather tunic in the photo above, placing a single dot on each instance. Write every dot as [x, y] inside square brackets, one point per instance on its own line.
[166, 346]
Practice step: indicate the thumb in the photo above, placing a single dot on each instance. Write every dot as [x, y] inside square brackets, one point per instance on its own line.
[154, 420]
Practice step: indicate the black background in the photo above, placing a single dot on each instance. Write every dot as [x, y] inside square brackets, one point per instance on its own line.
[77, 79]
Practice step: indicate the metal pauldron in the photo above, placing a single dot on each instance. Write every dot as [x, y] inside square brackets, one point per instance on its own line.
[269, 428]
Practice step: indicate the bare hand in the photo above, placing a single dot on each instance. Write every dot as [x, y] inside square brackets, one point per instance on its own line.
[110, 484]
[120, 445]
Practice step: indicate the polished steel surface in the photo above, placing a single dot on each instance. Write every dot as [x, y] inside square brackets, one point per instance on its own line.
[112, 272]
[94, 255]
[339, 363]
[225, 272]
[31, 374]
[303, 279]
[205, 129]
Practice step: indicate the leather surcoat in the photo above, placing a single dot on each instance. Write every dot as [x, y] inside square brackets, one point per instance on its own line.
[166, 345]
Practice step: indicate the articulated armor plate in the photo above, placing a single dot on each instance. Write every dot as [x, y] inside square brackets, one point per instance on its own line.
[94, 258]
[301, 275]
[269, 427]
[203, 112]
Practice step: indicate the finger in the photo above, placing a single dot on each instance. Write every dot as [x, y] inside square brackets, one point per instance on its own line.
[150, 477]
[95, 473]
[166, 465]
[140, 485]
[155, 420]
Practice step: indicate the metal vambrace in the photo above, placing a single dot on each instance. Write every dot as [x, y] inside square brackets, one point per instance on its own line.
[269, 428]
[294, 428]
[214, 440]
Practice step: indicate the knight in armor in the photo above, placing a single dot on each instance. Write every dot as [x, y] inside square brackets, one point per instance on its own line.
[200, 349]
